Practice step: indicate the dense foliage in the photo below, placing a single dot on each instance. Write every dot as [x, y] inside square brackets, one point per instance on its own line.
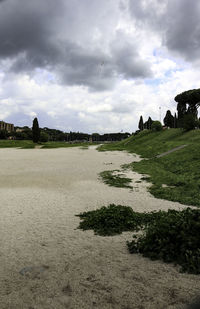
[156, 126]
[187, 104]
[112, 220]
[189, 122]
[171, 236]
[54, 135]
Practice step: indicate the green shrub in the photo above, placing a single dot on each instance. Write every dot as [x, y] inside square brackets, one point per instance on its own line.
[44, 137]
[156, 126]
[113, 219]
[173, 237]
[189, 122]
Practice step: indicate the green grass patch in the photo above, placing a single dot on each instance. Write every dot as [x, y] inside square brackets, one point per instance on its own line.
[171, 236]
[24, 144]
[178, 171]
[115, 180]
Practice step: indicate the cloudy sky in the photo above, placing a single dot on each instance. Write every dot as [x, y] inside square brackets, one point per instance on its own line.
[96, 65]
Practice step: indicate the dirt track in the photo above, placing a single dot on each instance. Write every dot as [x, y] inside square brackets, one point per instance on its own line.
[47, 263]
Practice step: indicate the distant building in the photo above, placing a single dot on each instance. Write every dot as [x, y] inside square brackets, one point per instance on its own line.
[9, 127]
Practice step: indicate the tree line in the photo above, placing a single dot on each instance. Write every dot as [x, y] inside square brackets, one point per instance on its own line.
[187, 110]
[45, 134]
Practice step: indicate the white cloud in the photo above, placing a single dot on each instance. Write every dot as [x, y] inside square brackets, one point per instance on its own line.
[95, 68]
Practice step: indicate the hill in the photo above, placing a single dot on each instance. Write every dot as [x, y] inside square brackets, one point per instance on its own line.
[175, 176]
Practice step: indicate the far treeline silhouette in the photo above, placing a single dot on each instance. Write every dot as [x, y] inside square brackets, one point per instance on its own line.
[45, 134]
[187, 105]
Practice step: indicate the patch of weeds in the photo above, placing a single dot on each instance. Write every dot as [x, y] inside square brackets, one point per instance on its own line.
[115, 180]
[115, 219]
[171, 236]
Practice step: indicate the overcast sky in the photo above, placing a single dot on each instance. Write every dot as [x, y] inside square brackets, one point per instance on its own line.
[96, 65]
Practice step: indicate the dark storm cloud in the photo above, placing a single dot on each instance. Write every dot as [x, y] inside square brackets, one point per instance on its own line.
[177, 21]
[183, 28]
[54, 35]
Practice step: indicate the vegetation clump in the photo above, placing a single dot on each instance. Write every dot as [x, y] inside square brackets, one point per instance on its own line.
[171, 236]
[156, 126]
[115, 180]
[114, 219]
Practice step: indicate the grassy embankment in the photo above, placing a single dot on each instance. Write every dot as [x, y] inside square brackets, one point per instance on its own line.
[178, 171]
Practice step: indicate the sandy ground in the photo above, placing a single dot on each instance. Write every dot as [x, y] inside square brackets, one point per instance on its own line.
[46, 262]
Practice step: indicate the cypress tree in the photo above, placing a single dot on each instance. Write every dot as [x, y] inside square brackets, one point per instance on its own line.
[149, 123]
[169, 120]
[36, 131]
[141, 124]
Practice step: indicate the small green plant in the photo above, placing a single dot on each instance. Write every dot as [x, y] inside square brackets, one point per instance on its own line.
[115, 180]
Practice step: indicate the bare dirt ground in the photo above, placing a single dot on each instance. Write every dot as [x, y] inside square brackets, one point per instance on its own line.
[47, 263]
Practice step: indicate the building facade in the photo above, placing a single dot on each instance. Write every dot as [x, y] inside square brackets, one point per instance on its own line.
[9, 127]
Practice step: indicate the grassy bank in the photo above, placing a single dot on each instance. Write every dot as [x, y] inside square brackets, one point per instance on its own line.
[149, 144]
[175, 176]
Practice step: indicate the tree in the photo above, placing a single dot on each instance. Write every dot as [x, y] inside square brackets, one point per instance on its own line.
[44, 137]
[156, 126]
[188, 102]
[169, 120]
[189, 122]
[3, 134]
[35, 131]
[149, 123]
[141, 124]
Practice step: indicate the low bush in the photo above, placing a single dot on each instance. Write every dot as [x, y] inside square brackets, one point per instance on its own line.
[113, 220]
[171, 236]
[156, 126]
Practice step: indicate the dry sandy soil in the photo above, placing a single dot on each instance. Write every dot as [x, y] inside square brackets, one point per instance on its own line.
[46, 262]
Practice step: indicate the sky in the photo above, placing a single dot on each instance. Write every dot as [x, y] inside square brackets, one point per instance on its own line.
[96, 66]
